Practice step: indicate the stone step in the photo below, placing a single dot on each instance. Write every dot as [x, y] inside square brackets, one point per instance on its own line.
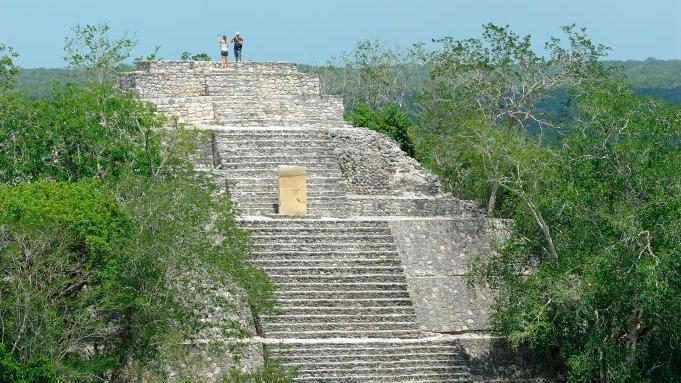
[335, 271]
[356, 311]
[341, 318]
[317, 327]
[275, 142]
[390, 379]
[340, 333]
[272, 132]
[292, 139]
[331, 294]
[380, 373]
[330, 262]
[309, 165]
[368, 347]
[250, 136]
[363, 278]
[322, 231]
[307, 158]
[328, 238]
[296, 286]
[344, 302]
[269, 198]
[361, 247]
[278, 149]
[293, 223]
[314, 205]
[432, 365]
[271, 174]
[318, 210]
[324, 191]
[311, 180]
[263, 122]
[435, 356]
[237, 193]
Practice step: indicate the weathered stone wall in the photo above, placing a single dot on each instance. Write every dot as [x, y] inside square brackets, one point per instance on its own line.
[381, 205]
[194, 66]
[245, 94]
[176, 79]
[188, 110]
[373, 164]
[435, 253]
[302, 111]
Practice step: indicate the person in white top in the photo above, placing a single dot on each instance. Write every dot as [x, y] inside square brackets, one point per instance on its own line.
[224, 50]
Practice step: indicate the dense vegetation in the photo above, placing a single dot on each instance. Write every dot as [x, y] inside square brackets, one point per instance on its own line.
[590, 274]
[111, 245]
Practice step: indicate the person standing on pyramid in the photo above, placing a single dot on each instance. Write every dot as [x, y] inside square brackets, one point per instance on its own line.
[238, 43]
[224, 50]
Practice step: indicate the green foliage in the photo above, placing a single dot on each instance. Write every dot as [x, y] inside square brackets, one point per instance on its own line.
[40, 82]
[114, 248]
[92, 51]
[76, 133]
[153, 56]
[372, 73]
[272, 372]
[651, 73]
[61, 258]
[500, 79]
[187, 56]
[7, 68]
[36, 370]
[596, 231]
[389, 120]
[589, 275]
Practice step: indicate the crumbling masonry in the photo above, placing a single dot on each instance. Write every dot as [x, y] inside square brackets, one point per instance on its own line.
[369, 282]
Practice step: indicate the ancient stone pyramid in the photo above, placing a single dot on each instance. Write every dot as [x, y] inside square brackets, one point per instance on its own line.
[369, 283]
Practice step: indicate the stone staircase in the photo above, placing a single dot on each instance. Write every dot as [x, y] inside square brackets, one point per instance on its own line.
[421, 360]
[250, 159]
[345, 307]
[334, 278]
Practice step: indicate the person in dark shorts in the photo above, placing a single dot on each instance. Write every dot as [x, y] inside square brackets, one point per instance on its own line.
[238, 43]
[224, 50]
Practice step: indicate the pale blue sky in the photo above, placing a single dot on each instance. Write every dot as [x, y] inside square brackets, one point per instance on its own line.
[310, 31]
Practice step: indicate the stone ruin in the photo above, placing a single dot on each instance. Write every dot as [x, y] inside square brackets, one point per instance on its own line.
[369, 283]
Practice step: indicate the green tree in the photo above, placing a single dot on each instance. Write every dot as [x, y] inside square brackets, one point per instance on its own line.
[390, 120]
[7, 68]
[372, 73]
[500, 79]
[92, 51]
[76, 133]
[106, 231]
[590, 274]
[496, 81]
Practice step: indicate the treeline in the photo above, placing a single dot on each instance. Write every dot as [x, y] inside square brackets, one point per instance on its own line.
[117, 258]
[589, 276]
[660, 78]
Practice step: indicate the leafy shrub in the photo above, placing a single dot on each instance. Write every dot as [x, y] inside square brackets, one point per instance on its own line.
[272, 372]
[187, 56]
[36, 370]
[109, 231]
[390, 120]
[78, 132]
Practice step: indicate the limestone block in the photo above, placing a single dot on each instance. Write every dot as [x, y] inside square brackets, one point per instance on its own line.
[292, 190]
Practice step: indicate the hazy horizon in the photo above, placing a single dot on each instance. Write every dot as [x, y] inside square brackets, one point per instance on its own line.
[309, 32]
